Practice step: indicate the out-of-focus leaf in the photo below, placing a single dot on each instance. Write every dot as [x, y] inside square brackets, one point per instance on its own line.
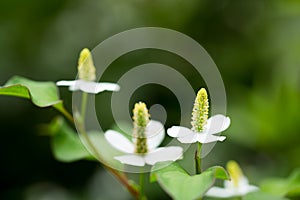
[67, 146]
[42, 94]
[65, 143]
[289, 187]
[181, 186]
[262, 196]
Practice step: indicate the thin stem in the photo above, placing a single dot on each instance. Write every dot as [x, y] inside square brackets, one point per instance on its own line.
[198, 158]
[60, 107]
[124, 180]
[67, 115]
[83, 105]
[142, 185]
[119, 175]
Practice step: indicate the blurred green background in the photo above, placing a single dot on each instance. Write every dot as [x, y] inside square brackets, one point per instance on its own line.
[254, 43]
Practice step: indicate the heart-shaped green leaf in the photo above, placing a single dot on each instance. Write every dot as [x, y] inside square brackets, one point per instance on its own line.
[289, 187]
[181, 186]
[42, 94]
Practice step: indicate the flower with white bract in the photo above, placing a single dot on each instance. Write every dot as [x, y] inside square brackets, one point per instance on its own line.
[203, 128]
[147, 136]
[237, 186]
[87, 76]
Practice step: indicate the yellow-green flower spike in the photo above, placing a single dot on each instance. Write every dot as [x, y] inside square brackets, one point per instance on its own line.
[200, 111]
[86, 68]
[140, 120]
[235, 172]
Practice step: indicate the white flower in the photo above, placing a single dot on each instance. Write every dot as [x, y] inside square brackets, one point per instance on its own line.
[237, 186]
[154, 134]
[203, 129]
[89, 86]
[87, 76]
[230, 191]
[215, 124]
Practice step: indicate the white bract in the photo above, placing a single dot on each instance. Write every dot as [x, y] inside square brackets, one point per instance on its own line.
[237, 186]
[154, 134]
[215, 124]
[230, 190]
[87, 76]
[89, 86]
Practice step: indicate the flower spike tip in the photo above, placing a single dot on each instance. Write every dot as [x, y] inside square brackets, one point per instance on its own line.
[86, 68]
[200, 111]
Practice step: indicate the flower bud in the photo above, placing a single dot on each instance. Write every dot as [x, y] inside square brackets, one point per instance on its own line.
[200, 111]
[235, 172]
[86, 68]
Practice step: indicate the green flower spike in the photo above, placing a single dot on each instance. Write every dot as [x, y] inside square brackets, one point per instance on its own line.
[140, 120]
[86, 68]
[200, 111]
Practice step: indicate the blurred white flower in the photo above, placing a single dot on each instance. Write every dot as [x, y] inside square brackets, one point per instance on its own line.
[87, 76]
[203, 129]
[237, 186]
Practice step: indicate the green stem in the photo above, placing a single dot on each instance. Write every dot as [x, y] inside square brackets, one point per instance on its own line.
[83, 105]
[60, 107]
[142, 186]
[198, 158]
[119, 175]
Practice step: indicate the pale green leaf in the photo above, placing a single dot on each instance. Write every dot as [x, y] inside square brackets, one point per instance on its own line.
[181, 186]
[42, 94]
[289, 187]
[262, 196]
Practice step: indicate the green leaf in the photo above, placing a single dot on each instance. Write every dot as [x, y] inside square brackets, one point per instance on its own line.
[65, 143]
[42, 94]
[289, 187]
[262, 196]
[181, 186]
[67, 146]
